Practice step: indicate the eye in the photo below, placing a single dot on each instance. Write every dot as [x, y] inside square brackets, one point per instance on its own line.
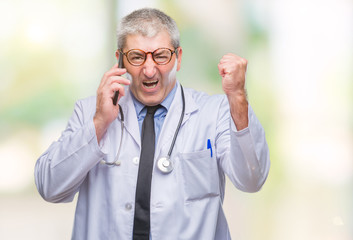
[162, 56]
[136, 56]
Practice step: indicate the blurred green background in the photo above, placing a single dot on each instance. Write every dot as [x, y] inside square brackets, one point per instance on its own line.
[299, 82]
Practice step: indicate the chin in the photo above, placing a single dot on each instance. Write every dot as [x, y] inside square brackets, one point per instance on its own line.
[152, 100]
[152, 103]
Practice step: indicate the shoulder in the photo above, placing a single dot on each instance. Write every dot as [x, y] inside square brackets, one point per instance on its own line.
[86, 107]
[87, 100]
[86, 103]
[203, 99]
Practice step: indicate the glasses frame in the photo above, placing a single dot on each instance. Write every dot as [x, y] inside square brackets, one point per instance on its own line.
[146, 53]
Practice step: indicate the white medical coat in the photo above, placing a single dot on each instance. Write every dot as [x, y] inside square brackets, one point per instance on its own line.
[186, 203]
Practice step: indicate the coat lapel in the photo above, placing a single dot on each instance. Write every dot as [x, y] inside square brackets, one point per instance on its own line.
[172, 119]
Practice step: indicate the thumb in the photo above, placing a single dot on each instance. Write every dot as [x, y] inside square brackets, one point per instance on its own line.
[221, 70]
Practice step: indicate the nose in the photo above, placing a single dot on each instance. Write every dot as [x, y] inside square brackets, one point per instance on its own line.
[149, 67]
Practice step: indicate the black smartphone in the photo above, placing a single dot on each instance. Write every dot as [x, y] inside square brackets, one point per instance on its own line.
[120, 65]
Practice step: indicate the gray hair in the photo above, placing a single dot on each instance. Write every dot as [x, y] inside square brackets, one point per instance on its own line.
[147, 22]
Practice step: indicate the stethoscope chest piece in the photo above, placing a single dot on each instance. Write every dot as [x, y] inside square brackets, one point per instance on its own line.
[165, 165]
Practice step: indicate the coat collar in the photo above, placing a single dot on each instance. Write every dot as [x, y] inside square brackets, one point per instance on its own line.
[170, 123]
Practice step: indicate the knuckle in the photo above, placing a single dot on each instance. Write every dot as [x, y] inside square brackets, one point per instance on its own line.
[106, 75]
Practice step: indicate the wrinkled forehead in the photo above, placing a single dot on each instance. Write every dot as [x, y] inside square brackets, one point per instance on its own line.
[148, 42]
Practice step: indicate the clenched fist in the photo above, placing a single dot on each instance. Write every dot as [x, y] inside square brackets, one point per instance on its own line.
[232, 69]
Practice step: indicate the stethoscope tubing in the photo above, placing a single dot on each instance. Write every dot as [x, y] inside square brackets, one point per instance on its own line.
[162, 161]
[121, 141]
[179, 124]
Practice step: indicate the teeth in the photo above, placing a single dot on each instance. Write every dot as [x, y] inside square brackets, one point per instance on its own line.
[150, 84]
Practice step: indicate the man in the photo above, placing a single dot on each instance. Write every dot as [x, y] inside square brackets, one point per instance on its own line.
[146, 172]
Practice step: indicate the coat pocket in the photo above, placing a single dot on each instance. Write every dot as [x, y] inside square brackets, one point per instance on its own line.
[200, 175]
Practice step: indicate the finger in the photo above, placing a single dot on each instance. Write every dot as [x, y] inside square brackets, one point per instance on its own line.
[118, 79]
[231, 65]
[229, 60]
[117, 71]
[232, 57]
[117, 84]
[108, 73]
[107, 82]
[118, 87]
[114, 80]
[225, 60]
[114, 71]
[111, 85]
[222, 69]
[228, 56]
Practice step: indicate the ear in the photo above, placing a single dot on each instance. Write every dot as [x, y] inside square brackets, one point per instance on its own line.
[180, 53]
[117, 53]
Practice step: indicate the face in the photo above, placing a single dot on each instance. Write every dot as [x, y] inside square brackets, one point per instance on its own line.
[150, 82]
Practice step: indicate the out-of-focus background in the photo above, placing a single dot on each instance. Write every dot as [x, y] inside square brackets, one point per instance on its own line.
[299, 81]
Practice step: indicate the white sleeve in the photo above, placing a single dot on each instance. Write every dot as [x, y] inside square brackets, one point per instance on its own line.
[243, 155]
[60, 171]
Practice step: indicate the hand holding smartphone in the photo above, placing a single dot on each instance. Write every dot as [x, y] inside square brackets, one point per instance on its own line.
[120, 65]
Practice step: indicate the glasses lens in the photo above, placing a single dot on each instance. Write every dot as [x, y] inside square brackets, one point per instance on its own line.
[136, 57]
[162, 56]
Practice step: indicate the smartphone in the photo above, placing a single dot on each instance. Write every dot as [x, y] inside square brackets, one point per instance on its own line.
[120, 65]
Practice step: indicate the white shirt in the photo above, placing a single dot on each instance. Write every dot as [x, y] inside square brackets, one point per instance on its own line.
[186, 203]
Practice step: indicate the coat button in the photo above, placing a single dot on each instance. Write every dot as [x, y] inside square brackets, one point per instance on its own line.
[136, 160]
[128, 206]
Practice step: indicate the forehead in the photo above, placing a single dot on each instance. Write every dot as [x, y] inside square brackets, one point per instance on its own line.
[138, 41]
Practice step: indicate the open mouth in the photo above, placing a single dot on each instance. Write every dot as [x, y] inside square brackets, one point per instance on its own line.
[150, 84]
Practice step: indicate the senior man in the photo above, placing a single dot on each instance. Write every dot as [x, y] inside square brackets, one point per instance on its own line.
[153, 165]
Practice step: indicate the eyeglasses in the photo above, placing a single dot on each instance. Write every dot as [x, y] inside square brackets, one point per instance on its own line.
[137, 57]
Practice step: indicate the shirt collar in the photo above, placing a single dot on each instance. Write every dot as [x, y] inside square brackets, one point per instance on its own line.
[166, 102]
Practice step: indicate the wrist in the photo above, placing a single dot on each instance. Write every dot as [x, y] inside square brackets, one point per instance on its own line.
[100, 127]
[238, 105]
[238, 97]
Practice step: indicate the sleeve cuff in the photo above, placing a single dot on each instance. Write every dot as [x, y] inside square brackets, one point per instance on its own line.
[103, 146]
[234, 128]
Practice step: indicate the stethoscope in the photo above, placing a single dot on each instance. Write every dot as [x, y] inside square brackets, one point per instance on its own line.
[164, 164]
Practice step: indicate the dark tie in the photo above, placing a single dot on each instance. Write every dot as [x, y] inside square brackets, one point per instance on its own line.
[143, 187]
